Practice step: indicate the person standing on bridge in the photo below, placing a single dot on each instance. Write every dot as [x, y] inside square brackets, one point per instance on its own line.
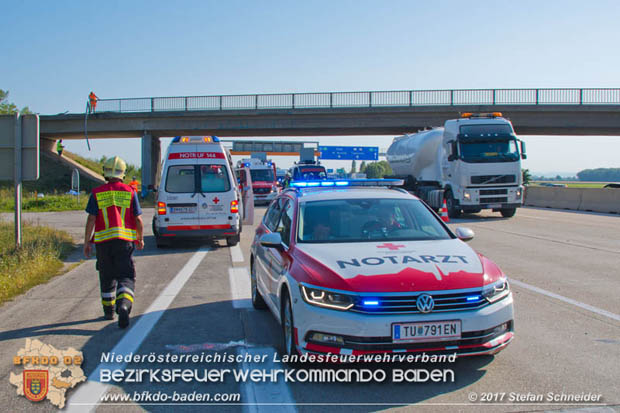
[92, 99]
[114, 214]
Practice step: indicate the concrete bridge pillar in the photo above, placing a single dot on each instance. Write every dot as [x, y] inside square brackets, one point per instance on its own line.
[151, 161]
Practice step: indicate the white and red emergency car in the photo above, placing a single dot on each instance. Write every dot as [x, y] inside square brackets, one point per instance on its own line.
[359, 267]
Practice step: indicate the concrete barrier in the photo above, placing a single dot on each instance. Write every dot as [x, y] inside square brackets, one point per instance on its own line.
[601, 200]
[605, 200]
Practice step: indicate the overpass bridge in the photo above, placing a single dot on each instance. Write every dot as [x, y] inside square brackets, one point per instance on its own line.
[532, 112]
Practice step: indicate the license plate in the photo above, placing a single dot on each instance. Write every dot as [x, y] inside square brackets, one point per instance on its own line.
[183, 210]
[495, 205]
[427, 331]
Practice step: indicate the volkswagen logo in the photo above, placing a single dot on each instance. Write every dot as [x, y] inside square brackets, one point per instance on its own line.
[425, 303]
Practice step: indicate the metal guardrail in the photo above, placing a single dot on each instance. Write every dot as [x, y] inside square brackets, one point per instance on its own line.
[395, 98]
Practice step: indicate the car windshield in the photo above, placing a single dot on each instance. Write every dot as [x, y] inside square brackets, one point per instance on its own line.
[262, 175]
[359, 220]
[485, 150]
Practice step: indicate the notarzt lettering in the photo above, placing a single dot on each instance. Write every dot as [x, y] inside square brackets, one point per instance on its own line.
[405, 259]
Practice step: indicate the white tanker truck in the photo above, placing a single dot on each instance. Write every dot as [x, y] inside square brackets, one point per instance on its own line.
[474, 163]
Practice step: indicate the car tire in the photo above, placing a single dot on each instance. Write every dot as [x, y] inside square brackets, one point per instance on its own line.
[454, 211]
[232, 241]
[257, 300]
[508, 212]
[288, 327]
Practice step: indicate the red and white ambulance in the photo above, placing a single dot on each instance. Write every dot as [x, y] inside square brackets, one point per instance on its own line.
[198, 197]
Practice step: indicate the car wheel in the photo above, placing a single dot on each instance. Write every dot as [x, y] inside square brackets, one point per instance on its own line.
[288, 327]
[508, 212]
[257, 300]
[232, 241]
[453, 208]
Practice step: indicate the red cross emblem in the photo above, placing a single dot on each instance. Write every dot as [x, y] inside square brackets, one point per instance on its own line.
[216, 200]
[390, 246]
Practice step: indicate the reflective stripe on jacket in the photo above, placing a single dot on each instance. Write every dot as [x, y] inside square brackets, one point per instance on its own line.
[115, 219]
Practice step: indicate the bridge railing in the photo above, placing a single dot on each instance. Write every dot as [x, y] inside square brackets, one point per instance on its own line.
[394, 98]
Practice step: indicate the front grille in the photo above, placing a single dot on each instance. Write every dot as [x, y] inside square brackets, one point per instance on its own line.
[493, 179]
[262, 190]
[484, 192]
[406, 304]
[495, 200]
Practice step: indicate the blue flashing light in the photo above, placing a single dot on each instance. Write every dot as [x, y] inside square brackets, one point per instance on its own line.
[370, 302]
[215, 138]
[342, 183]
[473, 298]
[176, 139]
[299, 184]
[246, 164]
[314, 183]
[328, 183]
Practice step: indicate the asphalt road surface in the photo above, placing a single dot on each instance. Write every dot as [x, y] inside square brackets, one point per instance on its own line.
[193, 299]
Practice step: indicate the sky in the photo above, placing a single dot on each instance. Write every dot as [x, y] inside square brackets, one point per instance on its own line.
[53, 53]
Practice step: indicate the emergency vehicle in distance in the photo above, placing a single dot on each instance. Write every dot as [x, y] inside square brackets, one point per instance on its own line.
[264, 182]
[198, 196]
[354, 267]
[308, 169]
[474, 163]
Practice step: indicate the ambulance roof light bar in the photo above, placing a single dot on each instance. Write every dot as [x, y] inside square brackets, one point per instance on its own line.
[195, 139]
[482, 115]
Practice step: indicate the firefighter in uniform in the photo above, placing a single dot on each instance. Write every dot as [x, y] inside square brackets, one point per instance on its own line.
[114, 215]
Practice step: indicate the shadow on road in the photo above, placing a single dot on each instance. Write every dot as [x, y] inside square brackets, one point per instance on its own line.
[218, 328]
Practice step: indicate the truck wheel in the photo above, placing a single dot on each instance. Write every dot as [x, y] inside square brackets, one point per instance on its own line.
[508, 212]
[232, 241]
[453, 208]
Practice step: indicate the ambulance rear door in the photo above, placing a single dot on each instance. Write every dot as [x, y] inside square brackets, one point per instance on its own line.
[180, 191]
[216, 191]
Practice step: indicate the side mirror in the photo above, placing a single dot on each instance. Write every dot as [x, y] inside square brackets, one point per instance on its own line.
[272, 240]
[523, 154]
[464, 234]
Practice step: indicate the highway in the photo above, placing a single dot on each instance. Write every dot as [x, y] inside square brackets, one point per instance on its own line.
[194, 299]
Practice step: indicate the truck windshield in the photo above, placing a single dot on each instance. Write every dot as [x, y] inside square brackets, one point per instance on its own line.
[262, 175]
[311, 172]
[496, 150]
[359, 220]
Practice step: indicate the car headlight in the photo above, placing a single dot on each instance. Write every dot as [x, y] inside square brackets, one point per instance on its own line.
[325, 298]
[467, 195]
[496, 291]
[518, 193]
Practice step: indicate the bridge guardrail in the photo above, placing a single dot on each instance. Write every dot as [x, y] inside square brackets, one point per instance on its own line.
[394, 98]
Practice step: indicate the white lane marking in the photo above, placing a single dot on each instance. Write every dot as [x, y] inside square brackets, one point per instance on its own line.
[235, 254]
[579, 304]
[265, 396]
[240, 287]
[91, 392]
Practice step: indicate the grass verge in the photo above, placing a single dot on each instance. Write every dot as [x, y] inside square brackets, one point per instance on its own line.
[38, 260]
[31, 203]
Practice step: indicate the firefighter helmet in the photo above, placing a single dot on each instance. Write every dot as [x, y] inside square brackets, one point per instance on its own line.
[114, 168]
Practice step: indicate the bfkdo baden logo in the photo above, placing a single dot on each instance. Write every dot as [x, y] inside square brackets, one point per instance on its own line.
[36, 383]
[47, 372]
